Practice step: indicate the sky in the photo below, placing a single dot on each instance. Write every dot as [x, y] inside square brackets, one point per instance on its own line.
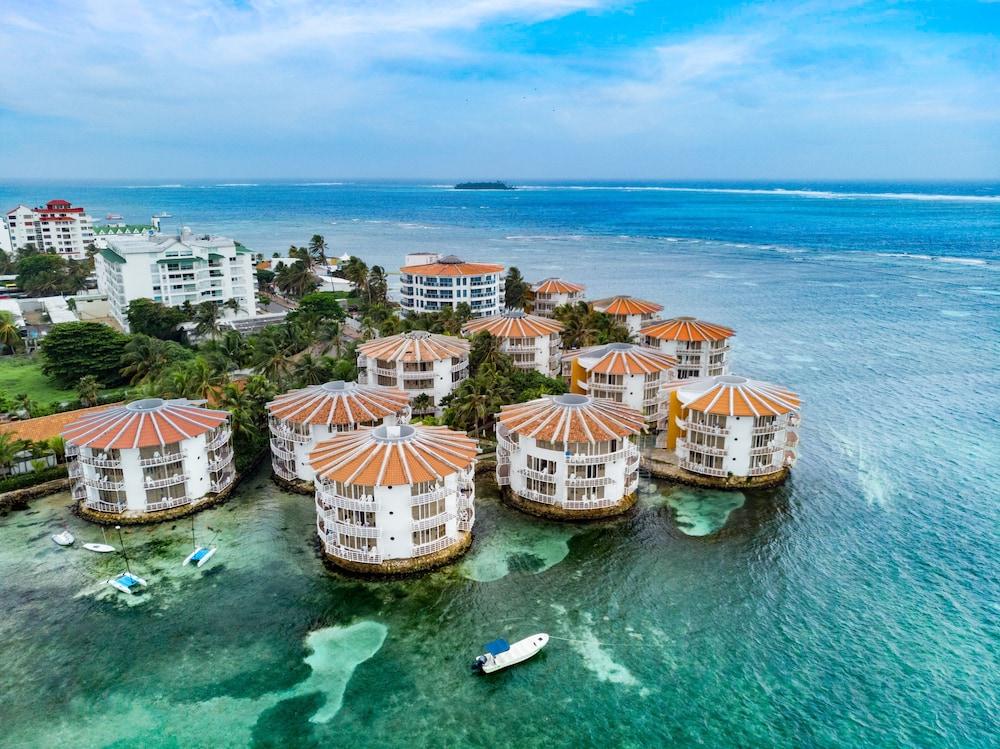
[580, 89]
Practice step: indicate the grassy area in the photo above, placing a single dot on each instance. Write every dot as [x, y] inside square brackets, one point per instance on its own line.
[23, 374]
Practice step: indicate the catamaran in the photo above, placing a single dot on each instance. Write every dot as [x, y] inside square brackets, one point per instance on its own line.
[500, 654]
[126, 582]
[201, 554]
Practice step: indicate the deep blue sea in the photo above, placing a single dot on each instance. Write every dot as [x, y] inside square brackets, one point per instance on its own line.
[856, 606]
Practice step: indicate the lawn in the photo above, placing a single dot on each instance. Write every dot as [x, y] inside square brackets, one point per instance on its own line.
[23, 374]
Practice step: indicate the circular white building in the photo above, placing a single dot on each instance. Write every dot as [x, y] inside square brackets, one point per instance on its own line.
[530, 341]
[552, 293]
[623, 372]
[631, 312]
[395, 498]
[431, 282]
[417, 362]
[701, 348]
[569, 456]
[301, 418]
[731, 429]
[148, 460]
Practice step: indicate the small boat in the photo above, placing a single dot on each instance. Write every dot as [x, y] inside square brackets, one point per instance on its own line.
[64, 539]
[114, 217]
[99, 548]
[200, 555]
[126, 582]
[500, 654]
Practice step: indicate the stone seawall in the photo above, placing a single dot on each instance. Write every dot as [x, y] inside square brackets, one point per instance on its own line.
[551, 512]
[18, 498]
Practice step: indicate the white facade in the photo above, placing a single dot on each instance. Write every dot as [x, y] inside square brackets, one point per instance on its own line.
[446, 282]
[701, 349]
[621, 372]
[532, 342]
[730, 426]
[174, 270]
[552, 293]
[58, 227]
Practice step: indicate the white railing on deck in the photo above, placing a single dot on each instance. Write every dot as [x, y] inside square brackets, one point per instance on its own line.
[168, 481]
[160, 460]
[166, 504]
[432, 522]
[687, 465]
[90, 460]
[583, 482]
[436, 545]
[101, 506]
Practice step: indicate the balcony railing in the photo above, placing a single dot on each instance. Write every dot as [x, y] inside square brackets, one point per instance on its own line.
[161, 460]
[766, 449]
[437, 545]
[279, 430]
[222, 482]
[383, 372]
[694, 426]
[101, 506]
[114, 486]
[96, 462]
[423, 374]
[74, 469]
[433, 521]
[221, 461]
[549, 478]
[590, 504]
[583, 482]
[580, 459]
[168, 481]
[464, 364]
[704, 449]
[520, 348]
[687, 465]
[328, 501]
[79, 490]
[610, 386]
[166, 504]
[774, 426]
[632, 485]
[765, 470]
[285, 473]
[431, 496]
[220, 439]
[545, 499]
[278, 448]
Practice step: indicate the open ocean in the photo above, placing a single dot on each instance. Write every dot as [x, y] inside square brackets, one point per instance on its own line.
[857, 606]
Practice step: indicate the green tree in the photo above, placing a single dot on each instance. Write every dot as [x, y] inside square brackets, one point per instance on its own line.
[74, 347]
[484, 350]
[356, 271]
[10, 446]
[155, 319]
[311, 370]
[320, 305]
[88, 389]
[145, 359]
[377, 285]
[317, 249]
[206, 319]
[296, 280]
[515, 289]
[193, 378]
[42, 274]
[422, 404]
[58, 447]
[10, 335]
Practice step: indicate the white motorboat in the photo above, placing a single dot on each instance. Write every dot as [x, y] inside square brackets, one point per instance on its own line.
[126, 582]
[99, 548]
[64, 539]
[500, 654]
[200, 555]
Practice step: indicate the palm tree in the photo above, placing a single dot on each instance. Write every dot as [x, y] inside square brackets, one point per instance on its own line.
[579, 327]
[10, 336]
[329, 334]
[474, 405]
[206, 319]
[58, 447]
[357, 273]
[24, 401]
[515, 289]
[88, 389]
[377, 285]
[422, 403]
[310, 370]
[317, 249]
[235, 305]
[146, 358]
[296, 279]
[193, 379]
[10, 446]
[270, 355]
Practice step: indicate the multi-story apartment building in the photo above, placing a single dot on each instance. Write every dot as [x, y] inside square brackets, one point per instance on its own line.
[701, 348]
[631, 312]
[59, 227]
[554, 292]
[531, 342]
[177, 269]
[430, 283]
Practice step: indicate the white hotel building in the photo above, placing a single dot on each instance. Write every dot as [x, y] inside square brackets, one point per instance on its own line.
[299, 419]
[531, 342]
[174, 270]
[701, 348]
[430, 283]
[729, 426]
[418, 362]
[551, 293]
[142, 459]
[569, 456]
[395, 498]
[59, 227]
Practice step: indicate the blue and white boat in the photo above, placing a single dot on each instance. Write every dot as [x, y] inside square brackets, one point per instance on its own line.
[501, 654]
[200, 555]
[126, 582]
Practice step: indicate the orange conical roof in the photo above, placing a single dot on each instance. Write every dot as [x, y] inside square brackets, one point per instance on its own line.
[626, 305]
[415, 346]
[730, 395]
[513, 324]
[556, 286]
[622, 358]
[687, 329]
[151, 422]
[336, 403]
[572, 418]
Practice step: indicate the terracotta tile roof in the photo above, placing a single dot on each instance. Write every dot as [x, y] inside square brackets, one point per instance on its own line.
[47, 427]
[687, 329]
[556, 286]
[151, 422]
[622, 358]
[335, 403]
[572, 418]
[393, 455]
[513, 324]
[415, 346]
[452, 266]
[729, 395]
[626, 305]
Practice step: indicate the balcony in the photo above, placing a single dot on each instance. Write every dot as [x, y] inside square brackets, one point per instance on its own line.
[433, 546]
[590, 504]
[520, 348]
[161, 460]
[774, 426]
[222, 482]
[284, 472]
[221, 462]
[610, 386]
[112, 486]
[423, 374]
[703, 449]
[765, 470]
[220, 439]
[101, 506]
[549, 478]
[694, 426]
[166, 504]
[431, 496]
[383, 372]
[328, 501]
[766, 449]
[74, 469]
[100, 462]
[433, 521]
[355, 531]
[278, 449]
[168, 481]
[628, 451]
[279, 430]
[460, 366]
[687, 465]
[353, 555]
[544, 499]
[581, 482]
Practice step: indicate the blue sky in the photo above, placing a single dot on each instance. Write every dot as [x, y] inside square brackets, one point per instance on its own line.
[700, 89]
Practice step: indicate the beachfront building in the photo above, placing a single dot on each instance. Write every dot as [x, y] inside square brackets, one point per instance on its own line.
[532, 342]
[623, 372]
[149, 459]
[569, 456]
[631, 312]
[430, 282]
[701, 348]
[418, 362]
[728, 426]
[58, 227]
[174, 269]
[395, 498]
[554, 292]
[299, 419]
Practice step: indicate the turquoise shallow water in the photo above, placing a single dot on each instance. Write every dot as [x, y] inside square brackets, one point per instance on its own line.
[855, 606]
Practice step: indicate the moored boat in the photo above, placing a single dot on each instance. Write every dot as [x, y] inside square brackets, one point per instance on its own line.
[200, 555]
[126, 582]
[99, 548]
[64, 539]
[500, 654]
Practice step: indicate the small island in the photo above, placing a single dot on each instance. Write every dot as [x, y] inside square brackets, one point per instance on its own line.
[498, 185]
